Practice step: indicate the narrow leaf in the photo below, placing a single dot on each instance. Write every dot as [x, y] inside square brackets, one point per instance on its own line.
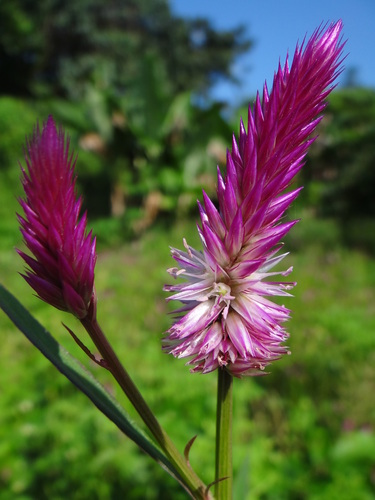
[79, 376]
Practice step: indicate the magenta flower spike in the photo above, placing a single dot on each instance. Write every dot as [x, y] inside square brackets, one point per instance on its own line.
[62, 267]
[226, 320]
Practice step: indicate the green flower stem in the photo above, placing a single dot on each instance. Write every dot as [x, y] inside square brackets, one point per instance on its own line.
[191, 481]
[224, 472]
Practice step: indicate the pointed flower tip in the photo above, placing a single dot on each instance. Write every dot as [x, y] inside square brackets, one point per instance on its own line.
[228, 320]
[63, 254]
[334, 29]
[50, 125]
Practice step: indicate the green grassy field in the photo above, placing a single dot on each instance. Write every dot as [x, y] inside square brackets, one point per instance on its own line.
[304, 431]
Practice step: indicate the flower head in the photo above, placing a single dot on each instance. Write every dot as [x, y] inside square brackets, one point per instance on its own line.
[62, 269]
[226, 319]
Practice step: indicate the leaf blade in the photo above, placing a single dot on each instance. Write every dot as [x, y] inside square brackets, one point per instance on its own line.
[83, 379]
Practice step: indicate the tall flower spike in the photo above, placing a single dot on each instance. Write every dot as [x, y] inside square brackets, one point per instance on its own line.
[62, 269]
[226, 320]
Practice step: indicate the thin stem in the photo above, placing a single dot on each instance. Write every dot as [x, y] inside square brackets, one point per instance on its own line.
[188, 476]
[224, 472]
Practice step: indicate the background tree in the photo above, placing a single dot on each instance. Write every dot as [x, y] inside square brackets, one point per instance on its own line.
[340, 174]
[121, 76]
[56, 46]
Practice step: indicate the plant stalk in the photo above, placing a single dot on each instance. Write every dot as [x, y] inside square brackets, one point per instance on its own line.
[224, 472]
[195, 486]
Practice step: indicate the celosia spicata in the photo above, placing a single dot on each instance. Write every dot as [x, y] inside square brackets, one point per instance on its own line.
[62, 267]
[226, 320]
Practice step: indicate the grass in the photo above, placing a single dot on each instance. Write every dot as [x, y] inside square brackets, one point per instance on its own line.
[297, 432]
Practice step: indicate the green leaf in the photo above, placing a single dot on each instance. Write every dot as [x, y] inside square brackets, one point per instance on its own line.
[356, 446]
[79, 376]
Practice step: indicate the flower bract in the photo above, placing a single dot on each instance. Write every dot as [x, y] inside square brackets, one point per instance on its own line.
[61, 270]
[227, 319]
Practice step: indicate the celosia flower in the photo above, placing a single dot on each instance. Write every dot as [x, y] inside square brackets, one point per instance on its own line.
[226, 319]
[62, 270]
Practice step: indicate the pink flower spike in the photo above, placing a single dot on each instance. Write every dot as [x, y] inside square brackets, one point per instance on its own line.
[226, 321]
[62, 267]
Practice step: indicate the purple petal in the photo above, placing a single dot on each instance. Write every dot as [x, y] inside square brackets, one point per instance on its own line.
[229, 323]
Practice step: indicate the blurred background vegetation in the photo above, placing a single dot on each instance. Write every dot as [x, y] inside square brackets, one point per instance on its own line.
[131, 84]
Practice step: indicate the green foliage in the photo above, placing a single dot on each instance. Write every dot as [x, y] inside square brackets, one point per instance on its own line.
[120, 77]
[137, 161]
[17, 119]
[140, 155]
[59, 48]
[340, 173]
[78, 375]
[144, 153]
[304, 431]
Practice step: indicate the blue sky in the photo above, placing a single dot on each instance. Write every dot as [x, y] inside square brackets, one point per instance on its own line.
[275, 27]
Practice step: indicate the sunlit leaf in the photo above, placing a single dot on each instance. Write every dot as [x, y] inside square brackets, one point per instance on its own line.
[78, 375]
